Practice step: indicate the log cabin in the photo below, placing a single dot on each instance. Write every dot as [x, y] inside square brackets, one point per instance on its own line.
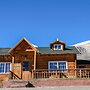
[25, 61]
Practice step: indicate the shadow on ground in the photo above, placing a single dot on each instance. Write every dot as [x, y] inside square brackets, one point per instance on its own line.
[29, 85]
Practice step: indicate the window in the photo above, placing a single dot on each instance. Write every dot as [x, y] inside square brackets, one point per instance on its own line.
[57, 65]
[57, 47]
[26, 66]
[4, 67]
[81, 66]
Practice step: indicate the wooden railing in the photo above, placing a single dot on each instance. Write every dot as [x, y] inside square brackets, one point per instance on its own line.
[69, 73]
[13, 76]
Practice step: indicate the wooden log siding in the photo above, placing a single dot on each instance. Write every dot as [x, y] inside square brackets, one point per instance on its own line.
[19, 58]
[42, 60]
[5, 58]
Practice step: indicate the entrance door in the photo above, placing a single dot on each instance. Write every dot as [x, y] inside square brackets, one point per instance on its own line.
[26, 74]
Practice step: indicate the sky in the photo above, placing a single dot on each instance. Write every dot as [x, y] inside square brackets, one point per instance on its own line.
[43, 21]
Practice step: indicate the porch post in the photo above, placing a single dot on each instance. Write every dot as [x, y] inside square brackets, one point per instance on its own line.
[34, 60]
[12, 67]
[75, 68]
[12, 64]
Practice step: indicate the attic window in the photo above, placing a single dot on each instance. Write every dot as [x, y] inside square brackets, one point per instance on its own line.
[57, 47]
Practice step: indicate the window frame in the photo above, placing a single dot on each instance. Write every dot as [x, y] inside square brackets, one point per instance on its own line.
[5, 67]
[58, 47]
[57, 64]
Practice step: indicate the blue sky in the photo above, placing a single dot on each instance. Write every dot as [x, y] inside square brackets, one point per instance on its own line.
[42, 21]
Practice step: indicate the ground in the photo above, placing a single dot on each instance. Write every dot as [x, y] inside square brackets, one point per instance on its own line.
[52, 88]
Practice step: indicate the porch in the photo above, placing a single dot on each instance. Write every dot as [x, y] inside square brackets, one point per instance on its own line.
[67, 74]
[83, 73]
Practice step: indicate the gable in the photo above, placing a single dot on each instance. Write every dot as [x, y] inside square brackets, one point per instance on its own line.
[22, 45]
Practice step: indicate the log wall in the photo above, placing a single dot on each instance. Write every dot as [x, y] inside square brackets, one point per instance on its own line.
[42, 60]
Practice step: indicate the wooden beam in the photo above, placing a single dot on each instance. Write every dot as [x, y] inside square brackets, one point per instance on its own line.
[75, 68]
[29, 50]
[12, 67]
[34, 60]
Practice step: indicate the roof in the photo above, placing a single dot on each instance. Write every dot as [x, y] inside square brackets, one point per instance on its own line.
[69, 49]
[84, 49]
[56, 42]
[84, 53]
[46, 50]
[4, 51]
[23, 39]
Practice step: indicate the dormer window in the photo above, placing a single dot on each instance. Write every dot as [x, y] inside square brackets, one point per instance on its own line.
[57, 47]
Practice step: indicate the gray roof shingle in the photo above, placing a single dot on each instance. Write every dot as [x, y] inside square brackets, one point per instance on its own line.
[4, 51]
[69, 49]
[46, 50]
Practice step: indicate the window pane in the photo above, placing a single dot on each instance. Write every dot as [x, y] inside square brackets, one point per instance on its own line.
[59, 46]
[57, 66]
[53, 65]
[55, 46]
[7, 68]
[62, 66]
[2, 67]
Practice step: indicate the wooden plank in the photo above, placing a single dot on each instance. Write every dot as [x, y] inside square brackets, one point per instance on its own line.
[26, 75]
[17, 69]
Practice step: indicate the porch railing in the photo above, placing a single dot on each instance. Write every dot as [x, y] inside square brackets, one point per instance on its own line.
[69, 73]
[13, 76]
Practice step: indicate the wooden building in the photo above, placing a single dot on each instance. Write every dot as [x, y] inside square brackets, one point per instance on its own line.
[24, 61]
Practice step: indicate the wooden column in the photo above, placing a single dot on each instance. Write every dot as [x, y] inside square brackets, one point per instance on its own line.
[34, 60]
[75, 68]
[12, 69]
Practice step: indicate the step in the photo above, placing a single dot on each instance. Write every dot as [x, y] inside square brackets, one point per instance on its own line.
[15, 84]
[42, 83]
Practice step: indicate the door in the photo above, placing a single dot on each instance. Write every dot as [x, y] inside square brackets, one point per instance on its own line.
[26, 74]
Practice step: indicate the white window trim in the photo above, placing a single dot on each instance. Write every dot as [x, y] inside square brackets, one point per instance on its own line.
[57, 62]
[58, 46]
[4, 68]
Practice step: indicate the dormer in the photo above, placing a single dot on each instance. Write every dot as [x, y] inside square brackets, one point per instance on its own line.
[57, 45]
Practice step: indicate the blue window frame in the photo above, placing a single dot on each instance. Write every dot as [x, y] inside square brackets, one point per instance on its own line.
[4, 67]
[57, 65]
